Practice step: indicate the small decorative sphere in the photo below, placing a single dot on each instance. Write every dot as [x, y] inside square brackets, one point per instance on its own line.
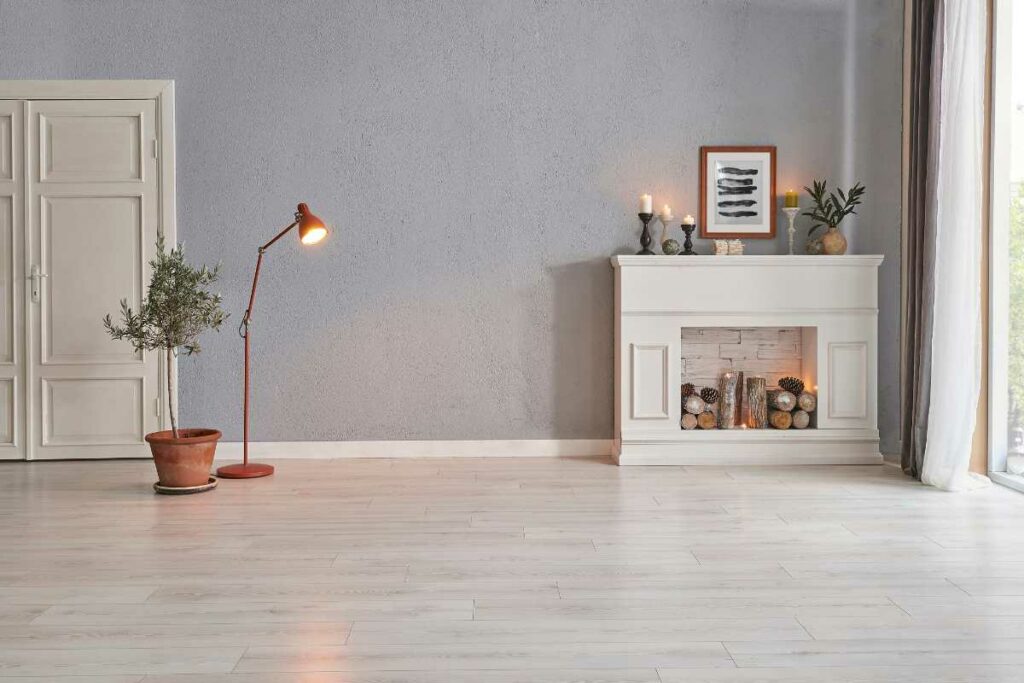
[670, 247]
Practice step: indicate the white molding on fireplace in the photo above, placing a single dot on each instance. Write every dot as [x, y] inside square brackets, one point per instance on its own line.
[833, 298]
[328, 450]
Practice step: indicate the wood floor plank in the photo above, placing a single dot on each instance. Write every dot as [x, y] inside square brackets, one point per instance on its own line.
[117, 661]
[540, 631]
[190, 635]
[859, 674]
[625, 608]
[469, 676]
[247, 612]
[878, 652]
[460, 656]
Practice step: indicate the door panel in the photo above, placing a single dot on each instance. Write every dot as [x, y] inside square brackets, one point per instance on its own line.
[93, 411]
[7, 413]
[106, 233]
[92, 187]
[12, 330]
[7, 279]
[101, 146]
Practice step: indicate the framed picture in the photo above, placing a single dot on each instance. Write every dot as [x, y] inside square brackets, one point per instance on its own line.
[737, 192]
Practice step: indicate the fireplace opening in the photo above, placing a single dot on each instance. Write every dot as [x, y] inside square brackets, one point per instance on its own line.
[748, 378]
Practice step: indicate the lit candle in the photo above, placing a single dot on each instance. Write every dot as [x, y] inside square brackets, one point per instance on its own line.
[646, 203]
[689, 220]
[666, 213]
[792, 200]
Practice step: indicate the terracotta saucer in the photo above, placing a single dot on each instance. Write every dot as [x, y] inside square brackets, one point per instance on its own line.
[184, 490]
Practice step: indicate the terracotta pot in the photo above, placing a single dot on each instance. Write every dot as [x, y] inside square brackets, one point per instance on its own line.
[185, 461]
[833, 242]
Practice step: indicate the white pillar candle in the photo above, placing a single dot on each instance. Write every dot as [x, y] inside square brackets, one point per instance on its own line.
[646, 203]
[689, 220]
[666, 213]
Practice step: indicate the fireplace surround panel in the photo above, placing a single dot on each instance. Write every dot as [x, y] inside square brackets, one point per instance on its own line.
[689, 318]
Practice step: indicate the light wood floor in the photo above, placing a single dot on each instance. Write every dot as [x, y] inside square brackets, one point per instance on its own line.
[526, 571]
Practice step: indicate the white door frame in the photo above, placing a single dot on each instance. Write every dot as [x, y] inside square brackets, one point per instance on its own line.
[163, 93]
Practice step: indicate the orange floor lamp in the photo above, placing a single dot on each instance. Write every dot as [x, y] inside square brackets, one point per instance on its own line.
[311, 231]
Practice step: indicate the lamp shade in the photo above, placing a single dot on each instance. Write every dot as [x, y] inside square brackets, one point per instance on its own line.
[311, 228]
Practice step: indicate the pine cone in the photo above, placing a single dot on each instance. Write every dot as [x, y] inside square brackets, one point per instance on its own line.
[689, 389]
[709, 395]
[792, 385]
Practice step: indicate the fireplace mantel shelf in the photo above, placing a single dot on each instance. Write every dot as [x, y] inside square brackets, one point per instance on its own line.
[747, 260]
[832, 299]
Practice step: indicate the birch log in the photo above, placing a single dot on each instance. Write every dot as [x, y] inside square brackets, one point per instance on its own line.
[801, 419]
[807, 401]
[689, 421]
[757, 402]
[741, 405]
[780, 419]
[780, 399]
[706, 420]
[694, 404]
[727, 400]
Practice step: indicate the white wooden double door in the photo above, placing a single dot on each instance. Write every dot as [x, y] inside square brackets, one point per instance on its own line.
[79, 217]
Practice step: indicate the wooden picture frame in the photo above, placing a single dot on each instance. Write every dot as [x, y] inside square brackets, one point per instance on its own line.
[750, 209]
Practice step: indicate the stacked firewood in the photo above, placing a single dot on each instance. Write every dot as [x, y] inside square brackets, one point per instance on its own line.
[697, 407]
[749, 403]
[790, 406]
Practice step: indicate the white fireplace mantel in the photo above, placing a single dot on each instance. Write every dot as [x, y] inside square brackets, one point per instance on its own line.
[833, 299]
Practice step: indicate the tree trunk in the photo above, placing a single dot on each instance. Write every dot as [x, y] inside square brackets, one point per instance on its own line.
[757, 402]
[689, 421]
[706, 420]
[727, 400]
[741, 409]
[170, 394]
[801, 419]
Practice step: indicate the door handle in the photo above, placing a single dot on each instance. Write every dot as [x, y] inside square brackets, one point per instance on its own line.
[36, 276]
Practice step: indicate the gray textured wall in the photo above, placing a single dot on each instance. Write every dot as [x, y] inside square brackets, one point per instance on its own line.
[480, 161]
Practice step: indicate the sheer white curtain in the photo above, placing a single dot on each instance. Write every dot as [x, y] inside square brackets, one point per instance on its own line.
[957, 203]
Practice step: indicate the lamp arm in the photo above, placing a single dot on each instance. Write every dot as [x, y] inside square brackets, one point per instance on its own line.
[280, 234]
[243, 328]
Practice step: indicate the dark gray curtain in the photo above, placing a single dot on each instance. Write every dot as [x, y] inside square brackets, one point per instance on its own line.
[925, 80]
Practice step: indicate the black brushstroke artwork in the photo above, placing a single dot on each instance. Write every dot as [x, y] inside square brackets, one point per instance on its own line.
[738, 193]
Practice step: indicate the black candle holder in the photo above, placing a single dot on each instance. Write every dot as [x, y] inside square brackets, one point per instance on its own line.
[688, 243]
[645, 236]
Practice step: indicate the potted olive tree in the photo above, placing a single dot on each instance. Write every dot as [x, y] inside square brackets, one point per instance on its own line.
[177, 308]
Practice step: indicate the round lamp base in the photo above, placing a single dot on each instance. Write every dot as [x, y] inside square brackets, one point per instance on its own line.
[240, 471]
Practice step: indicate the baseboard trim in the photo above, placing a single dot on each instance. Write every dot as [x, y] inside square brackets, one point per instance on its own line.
[327, 450]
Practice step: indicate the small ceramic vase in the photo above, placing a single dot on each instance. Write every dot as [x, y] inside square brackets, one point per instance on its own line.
[833, 243]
